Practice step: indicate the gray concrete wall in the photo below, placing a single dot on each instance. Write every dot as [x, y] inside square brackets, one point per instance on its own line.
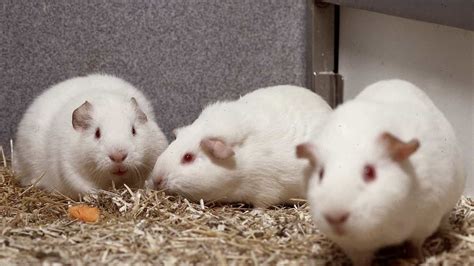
[183, 54]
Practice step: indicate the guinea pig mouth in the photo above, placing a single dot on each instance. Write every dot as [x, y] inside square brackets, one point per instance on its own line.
[119, 170]
[338, 230]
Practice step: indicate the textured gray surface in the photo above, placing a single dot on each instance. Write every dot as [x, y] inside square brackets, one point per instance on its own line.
[183, 54]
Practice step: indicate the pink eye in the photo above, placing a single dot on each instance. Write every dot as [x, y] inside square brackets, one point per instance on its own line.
[187, 158]
[321, 174]
[369, 173]
[97, 133]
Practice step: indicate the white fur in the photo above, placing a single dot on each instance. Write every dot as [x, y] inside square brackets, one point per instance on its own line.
[407, 200]
[48, 148]
[262, 127]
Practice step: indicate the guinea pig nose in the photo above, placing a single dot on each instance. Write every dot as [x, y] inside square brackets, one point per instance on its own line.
[336, 218]
[118, 156]
[157, 181]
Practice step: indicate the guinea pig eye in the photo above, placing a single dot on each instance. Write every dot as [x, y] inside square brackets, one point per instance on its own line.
[134, 132]
[321, 174]
[369, 173]
[97, 133]
[187, 158]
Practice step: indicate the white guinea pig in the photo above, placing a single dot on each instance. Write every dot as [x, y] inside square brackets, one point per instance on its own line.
[87, 133]
[240, 151]
[386, 169]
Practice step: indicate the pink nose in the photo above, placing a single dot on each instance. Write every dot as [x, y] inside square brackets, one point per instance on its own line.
[157, 182]
[118, 156]
[336, 218]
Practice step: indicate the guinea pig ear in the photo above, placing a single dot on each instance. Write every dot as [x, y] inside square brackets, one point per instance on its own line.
[307, 151]
[217, 148]
[397, 149]
[82, 117]
[141, 116]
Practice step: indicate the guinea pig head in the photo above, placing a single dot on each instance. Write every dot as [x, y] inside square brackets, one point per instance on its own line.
[355, 186]
[197, 167]
[112, 138]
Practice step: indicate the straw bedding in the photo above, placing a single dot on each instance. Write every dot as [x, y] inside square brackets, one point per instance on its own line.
[150, 227]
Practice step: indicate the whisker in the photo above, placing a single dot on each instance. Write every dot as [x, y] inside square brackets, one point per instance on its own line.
[137, 172]
[144, 165]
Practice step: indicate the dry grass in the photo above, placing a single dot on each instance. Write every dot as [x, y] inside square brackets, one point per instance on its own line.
[149, 227]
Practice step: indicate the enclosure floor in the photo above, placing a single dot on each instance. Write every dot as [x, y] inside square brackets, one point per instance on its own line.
[149, 227]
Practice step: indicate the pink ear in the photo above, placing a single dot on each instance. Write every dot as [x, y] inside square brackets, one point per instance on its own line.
[141, 116]
[397, 149]
[217, 148]
[81, 117]
[306, 151]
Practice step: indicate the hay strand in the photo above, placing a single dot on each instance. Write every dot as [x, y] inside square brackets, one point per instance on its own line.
[11, 155]
[3, 157]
